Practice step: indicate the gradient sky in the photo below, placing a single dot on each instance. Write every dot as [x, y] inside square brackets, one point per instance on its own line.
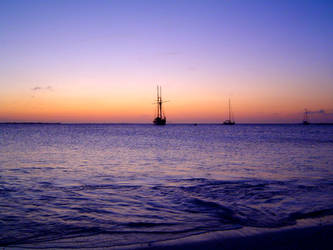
[100, 61]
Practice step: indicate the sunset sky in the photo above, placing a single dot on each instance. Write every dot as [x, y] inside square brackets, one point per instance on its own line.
[100, 61]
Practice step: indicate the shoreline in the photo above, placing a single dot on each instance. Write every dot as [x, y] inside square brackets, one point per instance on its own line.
[311, 233]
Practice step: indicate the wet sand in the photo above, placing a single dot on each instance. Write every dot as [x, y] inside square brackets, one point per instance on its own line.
[306, 238]
[306, 234]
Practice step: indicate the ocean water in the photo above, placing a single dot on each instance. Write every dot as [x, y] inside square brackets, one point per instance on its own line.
[143, 183]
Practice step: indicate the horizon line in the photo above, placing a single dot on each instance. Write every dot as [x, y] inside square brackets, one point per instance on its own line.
[146, 123]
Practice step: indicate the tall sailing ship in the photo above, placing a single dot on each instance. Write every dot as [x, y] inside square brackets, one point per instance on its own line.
[230, 121]
[160, 119]
[305, 117]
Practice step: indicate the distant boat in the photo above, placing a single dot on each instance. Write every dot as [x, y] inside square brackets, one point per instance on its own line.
[160, 119]
[230, 121]
[305, 117]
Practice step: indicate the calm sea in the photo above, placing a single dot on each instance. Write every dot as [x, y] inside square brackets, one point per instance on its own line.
[144, 183]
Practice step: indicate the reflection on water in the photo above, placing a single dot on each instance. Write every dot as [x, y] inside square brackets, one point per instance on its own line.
[140, 183]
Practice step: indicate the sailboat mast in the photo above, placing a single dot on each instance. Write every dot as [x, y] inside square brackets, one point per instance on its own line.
[305, 115]
[160, 103]
[229, 111]
[157, 102]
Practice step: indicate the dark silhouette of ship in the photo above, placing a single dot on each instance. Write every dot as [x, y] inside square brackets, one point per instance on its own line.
[160, 119]
[306, 118]
[230, 121]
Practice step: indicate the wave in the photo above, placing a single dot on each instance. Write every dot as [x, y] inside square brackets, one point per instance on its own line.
[128, 212]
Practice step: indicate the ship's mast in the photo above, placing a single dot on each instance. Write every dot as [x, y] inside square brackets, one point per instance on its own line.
[229, 111]
[305, 115]
[157, 102]
[160, 103]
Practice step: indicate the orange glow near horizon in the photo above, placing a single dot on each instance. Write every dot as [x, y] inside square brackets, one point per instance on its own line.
[116, 108]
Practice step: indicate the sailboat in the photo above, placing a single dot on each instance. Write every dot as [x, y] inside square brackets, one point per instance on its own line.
[229, 121]
[160, 119]
[305, 118]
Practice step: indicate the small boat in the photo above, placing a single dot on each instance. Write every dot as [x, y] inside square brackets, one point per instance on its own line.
[160, 119]
[305, 117]
[230, 121]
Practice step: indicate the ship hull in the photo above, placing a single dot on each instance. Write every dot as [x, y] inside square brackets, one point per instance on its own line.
[159, 121]
[228, 122]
